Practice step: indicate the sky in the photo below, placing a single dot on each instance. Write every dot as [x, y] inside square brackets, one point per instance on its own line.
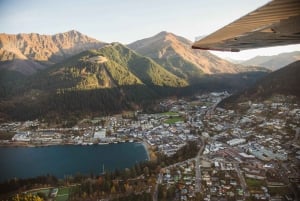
[126, 21]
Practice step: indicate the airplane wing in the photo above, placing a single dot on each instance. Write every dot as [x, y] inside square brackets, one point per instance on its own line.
[276, 23]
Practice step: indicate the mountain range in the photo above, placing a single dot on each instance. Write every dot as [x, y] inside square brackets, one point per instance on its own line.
[27, 53]
[274, 62]
[70, 73]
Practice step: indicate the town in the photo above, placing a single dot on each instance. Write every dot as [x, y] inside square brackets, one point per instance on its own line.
[248, 153]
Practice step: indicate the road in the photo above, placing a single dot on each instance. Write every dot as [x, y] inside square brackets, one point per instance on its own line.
[198, 175]
[283, 172]
[197, 168]
[242, 179]
[158, 181]
[297, 134]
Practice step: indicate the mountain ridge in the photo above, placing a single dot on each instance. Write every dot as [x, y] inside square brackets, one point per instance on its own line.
[174, 51]
[42, 50]
[274, 62]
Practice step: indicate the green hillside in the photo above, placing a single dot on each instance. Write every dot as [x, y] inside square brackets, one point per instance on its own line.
[109, 67]
[144, 68]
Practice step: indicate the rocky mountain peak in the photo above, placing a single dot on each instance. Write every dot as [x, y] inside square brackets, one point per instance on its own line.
[45, 49]
[175, 53]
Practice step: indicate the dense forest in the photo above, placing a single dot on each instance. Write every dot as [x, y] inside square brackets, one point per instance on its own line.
[54, 105]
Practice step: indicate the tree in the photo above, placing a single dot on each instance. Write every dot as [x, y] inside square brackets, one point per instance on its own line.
[113, 190]
[161, 192]
[171, 193]
[133, 172]
[199, 197]
[138, 168]
[146, 171]
[26, 197]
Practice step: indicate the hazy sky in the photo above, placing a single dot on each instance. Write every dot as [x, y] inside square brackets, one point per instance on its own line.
[126, 21]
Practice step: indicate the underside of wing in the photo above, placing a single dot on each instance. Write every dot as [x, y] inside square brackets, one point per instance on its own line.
[276, 23]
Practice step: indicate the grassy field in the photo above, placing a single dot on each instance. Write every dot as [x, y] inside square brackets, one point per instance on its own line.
[170, 113]
[63, 194]
[173, 120]
[43, 191]
[254, 183]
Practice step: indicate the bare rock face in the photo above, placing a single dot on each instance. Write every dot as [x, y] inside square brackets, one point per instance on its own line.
[42, 50]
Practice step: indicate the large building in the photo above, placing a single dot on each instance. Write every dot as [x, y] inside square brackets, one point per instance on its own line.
[101, 134]
[236, 141]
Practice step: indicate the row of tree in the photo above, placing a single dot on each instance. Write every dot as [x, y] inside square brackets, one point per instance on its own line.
[16, 184]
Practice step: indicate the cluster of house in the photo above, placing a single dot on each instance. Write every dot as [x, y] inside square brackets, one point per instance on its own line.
[38, 138]
[182, 177]
[220, 181]
[169, 138]
[11, 126]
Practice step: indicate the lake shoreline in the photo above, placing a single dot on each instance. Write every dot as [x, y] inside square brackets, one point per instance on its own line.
[146, 147]
[22, 144]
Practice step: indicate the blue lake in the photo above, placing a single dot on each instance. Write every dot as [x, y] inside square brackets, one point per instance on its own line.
[26, 162]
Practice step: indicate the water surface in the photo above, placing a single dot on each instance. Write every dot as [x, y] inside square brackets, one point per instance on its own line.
[26, 162]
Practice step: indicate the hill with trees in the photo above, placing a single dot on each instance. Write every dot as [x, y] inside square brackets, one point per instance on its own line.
[284, 81]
